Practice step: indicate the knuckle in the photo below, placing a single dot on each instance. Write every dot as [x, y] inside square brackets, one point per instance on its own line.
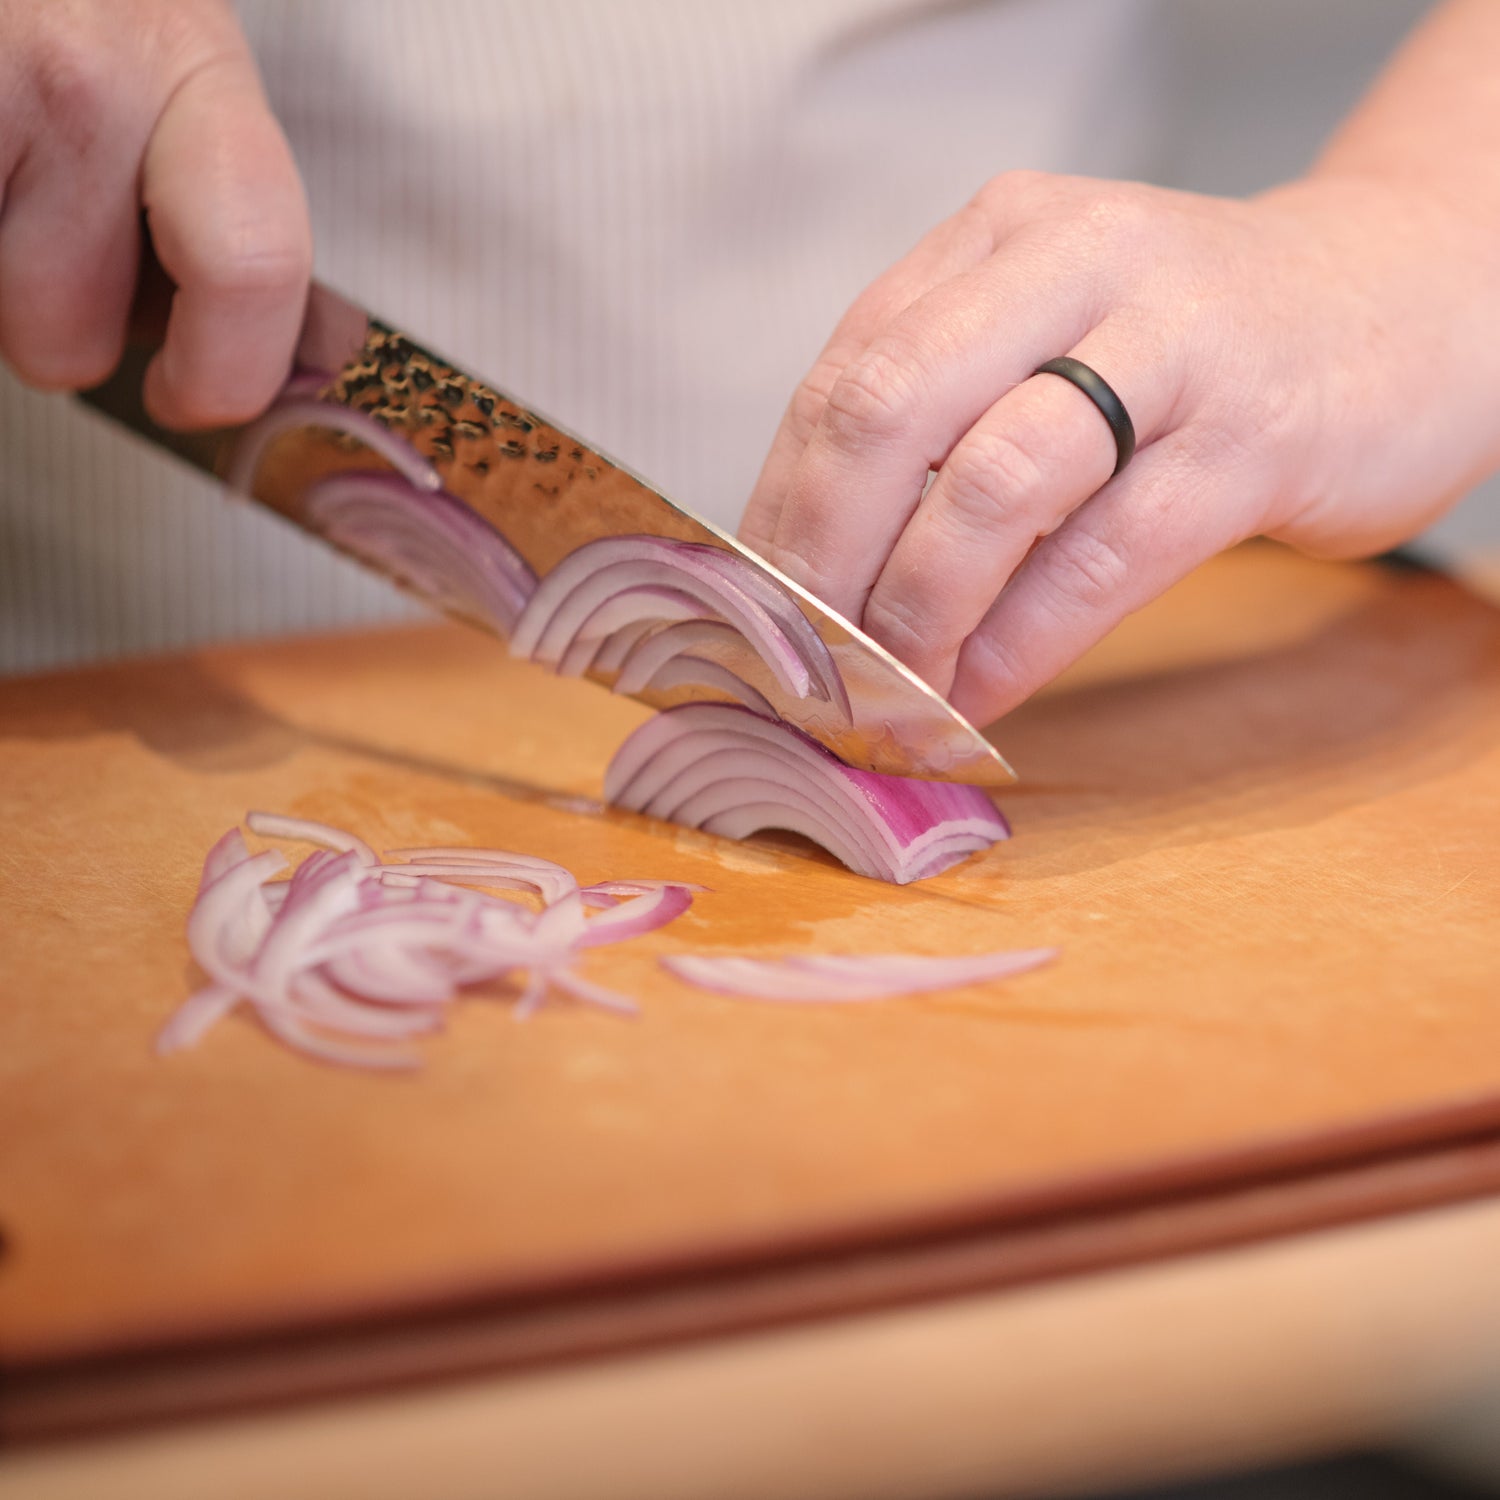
[250, 257]
[1018, 185]
[988, 475]
[993, 659]
[873, 400]
[811, 397]
[901, 625]
[189, 36]
[1090, 570]
[1119, 218]
[73, 78]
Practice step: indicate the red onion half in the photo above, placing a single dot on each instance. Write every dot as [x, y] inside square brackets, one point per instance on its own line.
[729, 771]
[449, 554]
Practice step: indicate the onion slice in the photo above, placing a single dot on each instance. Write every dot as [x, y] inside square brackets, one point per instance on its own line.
[548, 878]
[306, 830]
[726, 770]
[433, 542]
[292, 412]
[836, 979]
[625, 575]
[696, 672]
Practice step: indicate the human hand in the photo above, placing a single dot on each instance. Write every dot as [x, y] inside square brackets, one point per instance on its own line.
[1311, 365]
[109, 107]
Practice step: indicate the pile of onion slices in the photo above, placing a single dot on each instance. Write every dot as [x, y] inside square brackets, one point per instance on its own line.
[354, 957]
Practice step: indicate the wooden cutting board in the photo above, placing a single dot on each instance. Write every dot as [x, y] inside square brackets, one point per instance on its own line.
[1262, 823]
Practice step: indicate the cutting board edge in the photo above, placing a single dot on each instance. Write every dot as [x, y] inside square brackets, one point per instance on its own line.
[1168, 1184]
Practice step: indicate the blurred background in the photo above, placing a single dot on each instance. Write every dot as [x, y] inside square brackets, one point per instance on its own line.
[1253, 89]
[644, 217]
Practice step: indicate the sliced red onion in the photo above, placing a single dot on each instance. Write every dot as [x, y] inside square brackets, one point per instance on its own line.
[223, 857]
[867, 977]
[611, 892]
[347, 968]
[783, 607]
[549, 879]
[322, 1001]
[342, 965]
[608, 655]
[296, 411]
[306, 1039]
[889, 827]
[228, 921]
[447, 552]
[386, 972]
[193, 1019]
[637, 915]
[305, 830]
[631, 615]
[611, 570]
[649, 653]
[696, 672]
[594, 994]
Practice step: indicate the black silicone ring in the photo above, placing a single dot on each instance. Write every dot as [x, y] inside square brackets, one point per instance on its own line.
[1098, 390]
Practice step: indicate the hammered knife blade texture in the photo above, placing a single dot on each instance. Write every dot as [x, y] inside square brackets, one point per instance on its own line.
[547, 493]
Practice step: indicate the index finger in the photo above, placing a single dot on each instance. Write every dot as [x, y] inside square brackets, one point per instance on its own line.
[955, 245]
[898, 409]
[229, 224]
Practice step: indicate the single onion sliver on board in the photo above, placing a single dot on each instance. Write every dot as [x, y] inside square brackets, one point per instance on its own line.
[833, 978]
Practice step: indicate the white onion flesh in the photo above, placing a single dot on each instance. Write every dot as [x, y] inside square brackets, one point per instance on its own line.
[835, 979]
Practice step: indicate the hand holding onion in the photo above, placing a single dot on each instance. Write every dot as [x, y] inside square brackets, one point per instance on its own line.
[1317, 365]
[109, 108]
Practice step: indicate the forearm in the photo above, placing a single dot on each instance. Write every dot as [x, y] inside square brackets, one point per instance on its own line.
[1431, 121]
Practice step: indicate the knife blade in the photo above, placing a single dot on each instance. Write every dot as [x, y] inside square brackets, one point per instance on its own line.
[547, 493]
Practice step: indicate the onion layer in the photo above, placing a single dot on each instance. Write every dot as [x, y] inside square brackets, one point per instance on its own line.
[867, 977]
[299, 410]
[450, 555]
[726, 770]
[614, 582]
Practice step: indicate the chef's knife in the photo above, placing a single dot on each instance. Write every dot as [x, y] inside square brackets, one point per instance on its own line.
[547, 492]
